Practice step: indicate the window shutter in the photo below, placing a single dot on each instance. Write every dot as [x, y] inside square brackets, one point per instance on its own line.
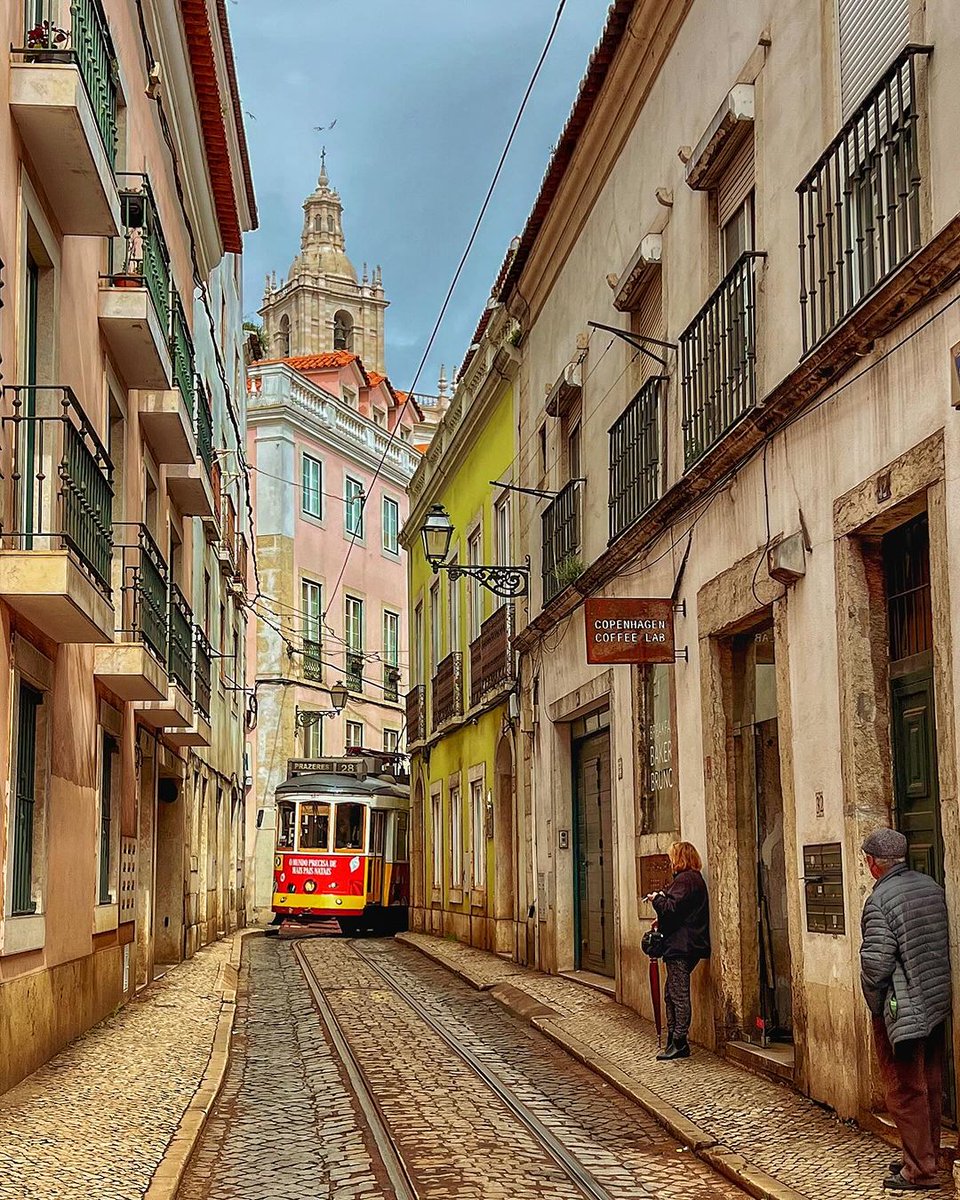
[871, 34]
[737, 182]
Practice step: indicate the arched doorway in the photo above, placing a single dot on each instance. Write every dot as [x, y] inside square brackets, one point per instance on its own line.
[504, 845]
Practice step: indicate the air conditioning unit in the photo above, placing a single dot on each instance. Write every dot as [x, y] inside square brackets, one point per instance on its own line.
[787, 560]
[566, 390]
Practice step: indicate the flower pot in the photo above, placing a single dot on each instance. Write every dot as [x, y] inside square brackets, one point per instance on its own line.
[44, 56]
[127, 281]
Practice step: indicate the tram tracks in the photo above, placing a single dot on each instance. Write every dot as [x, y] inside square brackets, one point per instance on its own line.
[402, 1176]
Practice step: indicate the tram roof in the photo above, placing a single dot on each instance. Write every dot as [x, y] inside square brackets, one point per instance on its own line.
[341, 785]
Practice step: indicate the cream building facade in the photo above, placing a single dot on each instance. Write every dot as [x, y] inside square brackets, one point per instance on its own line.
[123, 180]
[766, 436]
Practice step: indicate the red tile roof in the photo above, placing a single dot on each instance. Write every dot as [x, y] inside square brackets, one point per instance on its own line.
[328, 361]
[376, 378]
[618, 19]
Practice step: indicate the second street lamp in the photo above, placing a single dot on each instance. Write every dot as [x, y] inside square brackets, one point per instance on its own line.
[311, 716]
[437, 534]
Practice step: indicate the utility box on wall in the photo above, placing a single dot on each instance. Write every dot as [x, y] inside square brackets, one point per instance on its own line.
[823, 888]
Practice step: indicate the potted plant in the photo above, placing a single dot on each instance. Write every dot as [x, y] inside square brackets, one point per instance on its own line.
[46, 42]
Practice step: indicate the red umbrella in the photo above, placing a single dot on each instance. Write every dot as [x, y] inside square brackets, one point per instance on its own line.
[652, 945]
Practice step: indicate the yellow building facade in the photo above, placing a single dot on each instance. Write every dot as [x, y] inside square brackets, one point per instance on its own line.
[465, 873]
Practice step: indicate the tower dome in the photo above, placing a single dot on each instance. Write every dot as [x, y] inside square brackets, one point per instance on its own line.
[322, 249]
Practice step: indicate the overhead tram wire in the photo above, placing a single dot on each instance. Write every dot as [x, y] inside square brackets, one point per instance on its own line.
[453, 283]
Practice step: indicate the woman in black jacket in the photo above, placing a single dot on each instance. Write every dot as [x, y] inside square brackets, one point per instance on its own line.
[683, 918]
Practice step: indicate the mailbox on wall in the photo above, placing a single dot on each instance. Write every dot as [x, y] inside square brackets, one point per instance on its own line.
[823, 888]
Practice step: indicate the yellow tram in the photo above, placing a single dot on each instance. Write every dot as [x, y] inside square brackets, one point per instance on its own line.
[342, 843]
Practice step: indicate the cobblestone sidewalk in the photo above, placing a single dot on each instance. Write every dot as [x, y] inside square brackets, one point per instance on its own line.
[94, 1122]
[802, 1149]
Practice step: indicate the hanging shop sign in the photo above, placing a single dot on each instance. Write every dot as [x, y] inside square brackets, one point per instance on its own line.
[629, 630]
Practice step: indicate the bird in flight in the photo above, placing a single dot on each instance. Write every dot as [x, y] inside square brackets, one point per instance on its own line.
[321, 128]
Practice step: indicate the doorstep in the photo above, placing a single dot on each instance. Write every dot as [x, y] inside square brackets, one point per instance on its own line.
[775, 1059]
[591, 979]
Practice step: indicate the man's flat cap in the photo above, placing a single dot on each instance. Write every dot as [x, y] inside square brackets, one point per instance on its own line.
[885, 843]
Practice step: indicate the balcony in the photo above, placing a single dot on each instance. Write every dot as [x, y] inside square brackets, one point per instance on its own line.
[135, 294]
[561, 525]
[167, 426]
[238, 584]
[491, 656]
[391, 683]
[135, 666]
[447, 690]
[55, 561]
[191, 485]
[199, 733]
[718, 351]
[416, 707]
[226, 549]
[860, 203]
[354, 675]
[176, 712]
[635, 457]
[312, 660]
[63, 97]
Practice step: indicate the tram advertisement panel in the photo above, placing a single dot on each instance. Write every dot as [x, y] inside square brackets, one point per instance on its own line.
[327, 872]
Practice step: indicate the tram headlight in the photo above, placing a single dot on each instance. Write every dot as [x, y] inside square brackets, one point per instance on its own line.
[309, 885]
[339, 901]
[277, 861]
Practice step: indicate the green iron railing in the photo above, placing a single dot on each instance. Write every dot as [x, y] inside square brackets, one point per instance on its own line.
[203, 426]
[180, 655]
[202, 674]
[144, 589]
[141, 254]
[181, 351]
[62, 479]
[85, 42]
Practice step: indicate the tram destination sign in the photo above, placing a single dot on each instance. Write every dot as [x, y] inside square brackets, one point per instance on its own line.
[629, 630]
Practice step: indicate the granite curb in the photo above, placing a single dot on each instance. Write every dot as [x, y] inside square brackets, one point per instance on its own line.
[727, 1161]
[172, 1166]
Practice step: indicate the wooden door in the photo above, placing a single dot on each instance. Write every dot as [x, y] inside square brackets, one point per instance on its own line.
[594, 855]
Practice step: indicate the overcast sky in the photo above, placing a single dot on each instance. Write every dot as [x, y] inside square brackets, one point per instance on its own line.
[423, 93]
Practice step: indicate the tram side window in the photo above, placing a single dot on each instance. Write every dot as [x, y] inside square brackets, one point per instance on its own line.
[314, 826]
[285, 834]
[349, 832]
[400, 838]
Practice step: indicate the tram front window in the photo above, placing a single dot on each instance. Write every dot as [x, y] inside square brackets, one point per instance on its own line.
[314, 826]
[349, 831]
[285, 828]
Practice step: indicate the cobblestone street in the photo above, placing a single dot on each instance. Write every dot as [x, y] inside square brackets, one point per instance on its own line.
[287, 1123]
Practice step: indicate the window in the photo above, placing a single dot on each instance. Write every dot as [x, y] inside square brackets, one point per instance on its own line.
[417, 647]
[436, 834]
[314, 826]
[310, 606]
[542, 438]
[283, 338]
[105, 873]
[391, 525]
[353, 611]
[349, 827]
[478, 817]
[391, 740]
[313, 739]
[25, 814]
[870, 36]
[435, 645]
[573, 451]
[350, 398]
[736, 235]
[453, 611]
[456, 837]
[343, 331]
[311, 499]
[285, 825]
[475, 558]
[354, 734]
[504, 553]
[353, 507]
[391, 655]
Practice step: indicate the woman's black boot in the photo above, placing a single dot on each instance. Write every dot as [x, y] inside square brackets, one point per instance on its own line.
[680, 1048]
[668, 1050]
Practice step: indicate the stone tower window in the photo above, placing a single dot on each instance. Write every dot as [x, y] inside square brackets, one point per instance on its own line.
[342, 331]
[283, 338]
[318, 223]
[331, 224]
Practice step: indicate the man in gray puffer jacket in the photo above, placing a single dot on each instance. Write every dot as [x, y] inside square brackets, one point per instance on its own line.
[905, 976]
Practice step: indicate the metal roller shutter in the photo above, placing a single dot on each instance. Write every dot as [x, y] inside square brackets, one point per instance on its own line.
[871, 34]
[737, 182]
[648, 322]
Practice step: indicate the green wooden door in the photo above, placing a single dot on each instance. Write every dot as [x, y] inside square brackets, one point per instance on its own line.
[916, 794]
[594, 855]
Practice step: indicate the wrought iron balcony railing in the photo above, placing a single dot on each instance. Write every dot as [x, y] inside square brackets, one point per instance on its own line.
[491, 655]
[57, 31]
[354, 673]
[144, 590]
[203, 427]
[416, 708]
[718, 351]
[181, 351]
[635, 457]
[180, 653]
[202, 673]
[139, 257]
[391, 682]
[860, 202]
[312, 659]
[447, 690]
[62, 480]
[561, 563]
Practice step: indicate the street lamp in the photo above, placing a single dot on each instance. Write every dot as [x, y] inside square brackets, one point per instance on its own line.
[338, 698]
[437, 534]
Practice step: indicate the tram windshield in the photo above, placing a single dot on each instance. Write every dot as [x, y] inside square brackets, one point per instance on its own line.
[285, 827]
[349, 830]
[314, 826]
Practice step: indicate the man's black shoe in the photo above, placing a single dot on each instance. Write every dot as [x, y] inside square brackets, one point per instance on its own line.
[897, 1183]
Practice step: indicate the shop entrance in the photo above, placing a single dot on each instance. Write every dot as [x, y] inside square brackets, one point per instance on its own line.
[593, 849]
[765, 943]
[913, 724]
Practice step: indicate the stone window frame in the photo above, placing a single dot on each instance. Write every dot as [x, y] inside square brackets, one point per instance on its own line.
[110, 724]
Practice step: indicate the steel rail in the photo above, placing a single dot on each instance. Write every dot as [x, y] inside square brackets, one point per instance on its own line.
[571, 1166]
[396, 1169]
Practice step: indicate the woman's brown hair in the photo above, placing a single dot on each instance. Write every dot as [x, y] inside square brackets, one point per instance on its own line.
[684, 857]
